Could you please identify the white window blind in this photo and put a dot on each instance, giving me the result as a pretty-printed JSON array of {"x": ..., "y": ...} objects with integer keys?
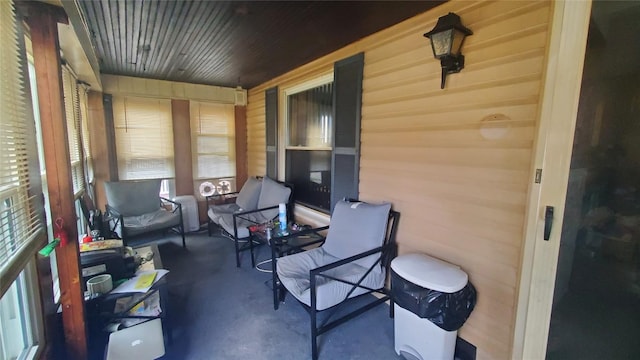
[
  {"x": 72, "y": 113},
  {"x": 213, "y": 140},
  {"x": 20, "y": 192},
  {"x": 84, "y": 116},
  {"x": 144, "y": 137}
]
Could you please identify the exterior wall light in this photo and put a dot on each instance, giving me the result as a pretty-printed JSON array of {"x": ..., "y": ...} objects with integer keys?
[{"x": 446, "y": 41}]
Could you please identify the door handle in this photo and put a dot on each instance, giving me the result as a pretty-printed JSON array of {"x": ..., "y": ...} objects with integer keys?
[{"x": 548, "y": 222}]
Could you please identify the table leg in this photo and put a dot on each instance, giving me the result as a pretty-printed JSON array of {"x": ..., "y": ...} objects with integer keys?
[
  {"x": 235, "y": 243},
  {"x": 253, "y": 259},
  {"x": 274, "y": 278}
]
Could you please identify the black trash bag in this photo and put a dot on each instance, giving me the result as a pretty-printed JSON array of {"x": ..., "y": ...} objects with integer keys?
[{"x": 448, "y": 311}]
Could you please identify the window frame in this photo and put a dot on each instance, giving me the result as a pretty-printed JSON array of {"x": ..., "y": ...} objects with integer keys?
[
  {"x": 43, "y": 173},
  {"x": 31, "y": 318},
  {"x": 203, "y": 184},
  {"x": 229, "y": 137},
  {"x": 122, "y": 122},
  {"x": 283, "y": 125},
  {"x": 20, "y": 268}
]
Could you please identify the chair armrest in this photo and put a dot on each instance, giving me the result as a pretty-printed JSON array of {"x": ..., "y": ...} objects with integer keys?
[
  {"x": 240, "y": 213},
  {"x": 335, "y": 264},
  {"x": 111, "y": 211},
  {"x": 214, "y": 197},
  {"x": 241, "y": 216},
  {"x": 177, "y": 205}
]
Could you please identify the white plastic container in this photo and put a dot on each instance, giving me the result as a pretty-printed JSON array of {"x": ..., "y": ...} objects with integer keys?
[
  {"x": 190, "y": 216},
  {"x": 282, "y": 216},
  {"x": 415, "y": 337}
]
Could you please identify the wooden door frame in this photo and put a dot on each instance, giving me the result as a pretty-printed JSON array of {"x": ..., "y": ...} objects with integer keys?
[{"x": 552, "y": 154}]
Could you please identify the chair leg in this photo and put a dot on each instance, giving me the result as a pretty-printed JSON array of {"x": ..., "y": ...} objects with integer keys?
[
  {"x": 209, "y": 226},
  {"x": 253, "y": 258},
  {"x": 184, "y": 243},
  {"x": 314, "y": 335},
  {"x": 313, "y": 315},
  {"x": 235, "y": 242}
]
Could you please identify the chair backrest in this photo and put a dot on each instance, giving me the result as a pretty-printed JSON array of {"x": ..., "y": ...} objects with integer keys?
[
  {"x": 249, "y": 194},
  {"x": 356, "y": 227},
  {"x": 133, "y": 198},
  {"x": 272, "y": 194}
]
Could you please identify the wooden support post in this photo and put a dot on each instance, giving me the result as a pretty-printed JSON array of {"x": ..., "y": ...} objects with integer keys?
[
  {"x": 100, "y": 147},
  {"x": 43, "y": 21},
  {"x": 182, "y": 146},
  {"x": 242, "y": 164}
]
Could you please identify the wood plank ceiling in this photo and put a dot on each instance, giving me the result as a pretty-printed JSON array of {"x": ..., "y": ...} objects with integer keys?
[{"x": 230, "y": 43}]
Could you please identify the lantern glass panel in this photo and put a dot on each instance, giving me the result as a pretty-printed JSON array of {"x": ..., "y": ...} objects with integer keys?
[
  {"x": 441, "y": 43},
  {"x": 458, "y": 38}
]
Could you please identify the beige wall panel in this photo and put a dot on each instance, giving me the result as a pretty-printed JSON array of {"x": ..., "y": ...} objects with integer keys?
[
  {"x": 477, "y": 216},
  {"x": 447, "y": 120},
  {"x": 499, "y": 11},
  {"x": 533, "y": 15},
  {"x": 113, "y": 84},
  {"x": 519, "y": 137},
  {"x": 452, "y": 174},
  {"x": 516, "y": 159},
  {"x": 462, "y": 194},
  {"x": 526, "y": 68},
  {"x": 493, "y": 348},
  {"x": 256, "y": 142},
  {"x": 522, "y": 92},
  {"x": 474, "y": 264}
]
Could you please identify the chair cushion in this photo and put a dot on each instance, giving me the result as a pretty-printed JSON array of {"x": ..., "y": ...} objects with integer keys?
[
  {"x": 293, "y": 272},
  {"x": 272, "y": 194},
  {"x": 248, "y": 196},
  {"x": 156, "y": 220},
  {"x": 356, "y": 227},
  {"x": 215, "y": 211},
  {"x": 133, "y": 198},
  {"x": 226, "y": 222}
]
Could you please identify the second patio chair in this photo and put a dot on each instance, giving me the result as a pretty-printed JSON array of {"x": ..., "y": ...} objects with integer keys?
[{"x": 353, "y": 262}]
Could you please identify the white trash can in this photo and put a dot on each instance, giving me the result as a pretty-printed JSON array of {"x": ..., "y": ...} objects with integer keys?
[
  {"x": 417, "y": 280},
  {"x": 190, "y": 216}
]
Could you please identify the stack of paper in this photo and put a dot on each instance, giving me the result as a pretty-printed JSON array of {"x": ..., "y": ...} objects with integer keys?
[{"x": 140, "y": 283}]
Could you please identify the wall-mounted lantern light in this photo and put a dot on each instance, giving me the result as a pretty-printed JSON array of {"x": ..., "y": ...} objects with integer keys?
[{"x": 446, "y": 41}]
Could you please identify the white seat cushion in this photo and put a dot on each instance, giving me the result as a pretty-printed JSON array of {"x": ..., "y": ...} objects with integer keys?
[
  {"x": 293, "y": 271},
  {"x": 159, "y": 219}
]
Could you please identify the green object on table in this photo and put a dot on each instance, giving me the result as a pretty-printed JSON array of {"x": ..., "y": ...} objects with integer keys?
[
  {"x": 119, "y": 282},
  {"x": 46, "y": 251}
]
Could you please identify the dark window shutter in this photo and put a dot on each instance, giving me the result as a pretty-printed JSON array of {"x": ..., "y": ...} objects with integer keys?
[
  {"x": 345, "y": 160},
  {"x": 271, "y": 119}
]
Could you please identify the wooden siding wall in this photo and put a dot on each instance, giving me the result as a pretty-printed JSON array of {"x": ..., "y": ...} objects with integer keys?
[{"x": 454, "y": 162}]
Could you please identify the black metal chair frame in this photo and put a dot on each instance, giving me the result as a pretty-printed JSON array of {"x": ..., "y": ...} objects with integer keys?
[
  {"x": 242, "y": 215},
  {"x": 387, "y": 252},
  {"x": 249, "y": 239},
  {"x": 117, "y": 220},
  {"x": 211, "y": 201}
]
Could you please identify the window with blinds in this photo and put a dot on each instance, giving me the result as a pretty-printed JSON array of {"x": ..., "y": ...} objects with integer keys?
[
  {"x": 144, "y": 137},
  {"x": 72, "y": 114},
  {"x": 20, "y": 191},
  {"x": 309, "y": 142},
  {"x": 84, "y": 135},
  {"x": 213, "y": 140}
]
